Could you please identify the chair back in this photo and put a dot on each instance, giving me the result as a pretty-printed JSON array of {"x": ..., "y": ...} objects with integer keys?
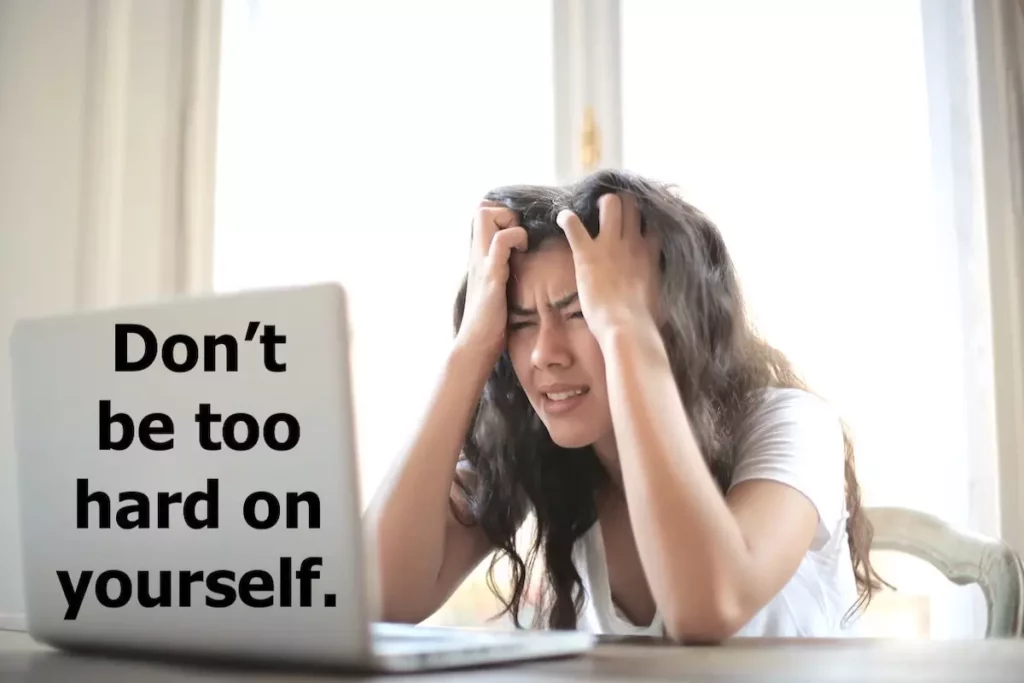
[{"x": 962, "y": 557}]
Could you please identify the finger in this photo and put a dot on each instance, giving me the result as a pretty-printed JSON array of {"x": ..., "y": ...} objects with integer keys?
[
  {"x": 473, "y": 230},
  {"x": 490, "y": 218},
  {"x": 573, "y": 228},
  {"x": 630, "y": 217},
  {"x": 504, "y": 241},
  {"x": 609, "y": 208}
]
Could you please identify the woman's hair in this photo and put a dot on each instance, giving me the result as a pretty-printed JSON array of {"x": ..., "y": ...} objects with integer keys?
[{"x": 719, "y": 364}]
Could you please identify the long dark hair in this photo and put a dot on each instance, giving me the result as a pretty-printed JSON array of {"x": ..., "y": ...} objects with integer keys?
[{"x": 719, "y": 364}]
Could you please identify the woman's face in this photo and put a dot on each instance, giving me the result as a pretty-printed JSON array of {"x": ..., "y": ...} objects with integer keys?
[{"x": 557, "y": 360}]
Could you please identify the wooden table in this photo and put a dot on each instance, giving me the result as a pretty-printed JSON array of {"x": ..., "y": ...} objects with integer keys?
[{"x": 789, "y": 661}]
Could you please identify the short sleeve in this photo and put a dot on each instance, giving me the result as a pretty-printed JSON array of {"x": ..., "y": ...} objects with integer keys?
[{"x": 795, "y": 438}]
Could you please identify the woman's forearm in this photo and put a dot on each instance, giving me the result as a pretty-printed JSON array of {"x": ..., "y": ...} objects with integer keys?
[
  {"x": 410, "y": 511},
  {"x": 691, "y": 548}
]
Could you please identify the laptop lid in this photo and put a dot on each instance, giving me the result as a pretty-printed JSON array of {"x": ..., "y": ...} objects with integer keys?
[{"x": 188, "y": 480}]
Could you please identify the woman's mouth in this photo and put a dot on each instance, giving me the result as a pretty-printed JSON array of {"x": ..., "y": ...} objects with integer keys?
[{"x": 558, "y": 400}]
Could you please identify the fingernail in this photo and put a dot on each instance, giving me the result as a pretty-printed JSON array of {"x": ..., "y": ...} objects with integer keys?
[{"x": 563, "y": 217}]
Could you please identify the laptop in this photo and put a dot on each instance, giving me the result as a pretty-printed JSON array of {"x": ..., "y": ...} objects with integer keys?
[{"x": 188, "y": 486}]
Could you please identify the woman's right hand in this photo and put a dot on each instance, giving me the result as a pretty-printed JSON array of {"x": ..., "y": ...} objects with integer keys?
[{"x": 495, "y": 234}]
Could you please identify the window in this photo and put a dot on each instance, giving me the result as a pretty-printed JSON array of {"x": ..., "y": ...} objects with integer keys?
[
  {"x": 344, "y": 159},
  {"x": 802, "y": 129},
  {"x": 356, "y": 139}
]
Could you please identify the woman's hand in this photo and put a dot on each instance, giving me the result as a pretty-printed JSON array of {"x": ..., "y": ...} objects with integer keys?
[
  {"x": 616, "y": 272},
  {"x": 485, "y": 319}
]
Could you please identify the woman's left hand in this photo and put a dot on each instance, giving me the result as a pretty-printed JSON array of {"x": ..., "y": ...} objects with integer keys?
[{"x": 616, "y": 272}]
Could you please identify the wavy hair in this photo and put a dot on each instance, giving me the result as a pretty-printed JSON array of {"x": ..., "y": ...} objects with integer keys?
[{"x": 719, "y": 363}]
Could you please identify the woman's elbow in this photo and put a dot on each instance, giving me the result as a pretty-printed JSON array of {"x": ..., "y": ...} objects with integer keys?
[
  {"x": 401, "y": 602},
  {"x": 713, "y": 621},
  {"x": 401, "y": 611}
]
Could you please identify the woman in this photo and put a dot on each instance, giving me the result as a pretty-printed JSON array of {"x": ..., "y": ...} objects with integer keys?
[{"x": 603, "y": 377}]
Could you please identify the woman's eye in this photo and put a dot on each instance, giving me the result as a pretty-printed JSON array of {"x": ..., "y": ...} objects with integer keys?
[
  {"x": 518, "y": 326},
  {"x": 577, "y": 314}
]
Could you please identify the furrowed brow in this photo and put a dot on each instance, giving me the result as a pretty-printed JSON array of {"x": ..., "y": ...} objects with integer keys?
[{"x": 558, "y": 305}]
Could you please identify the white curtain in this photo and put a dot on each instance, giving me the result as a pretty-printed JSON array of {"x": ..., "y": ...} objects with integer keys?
[
  {"x": 106, "y": 175},
  {"x": 998, "y": 41}
]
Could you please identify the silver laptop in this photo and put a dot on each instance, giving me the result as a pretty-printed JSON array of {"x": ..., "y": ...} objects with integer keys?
[{"x": 188, "y": 486}]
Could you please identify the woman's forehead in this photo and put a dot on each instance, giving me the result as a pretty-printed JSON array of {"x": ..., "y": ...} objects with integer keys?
[{"x": 549, "y": 271}]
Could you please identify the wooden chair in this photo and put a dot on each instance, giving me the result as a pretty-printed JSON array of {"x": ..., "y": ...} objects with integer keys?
[{"x": 964, "y": 558}]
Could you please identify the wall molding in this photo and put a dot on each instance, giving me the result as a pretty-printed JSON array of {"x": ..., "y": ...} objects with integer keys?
[{"x": 13, "y": 622}]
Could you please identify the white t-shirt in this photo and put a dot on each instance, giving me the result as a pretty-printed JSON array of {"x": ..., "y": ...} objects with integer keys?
[{"x": 796, "y": 439}]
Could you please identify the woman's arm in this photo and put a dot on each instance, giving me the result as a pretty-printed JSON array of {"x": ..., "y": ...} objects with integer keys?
[
  {"x": 711, "y": 562},
  {"x": 423, "y": 550}
]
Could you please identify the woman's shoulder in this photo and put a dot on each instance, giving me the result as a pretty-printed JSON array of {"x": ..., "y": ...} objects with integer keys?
[
  {"x": 782, "y": 398},
  {"x": 790, "y": 409},
  {"x": 796, "y": 438},
  {"x": 789, "y": 420}
]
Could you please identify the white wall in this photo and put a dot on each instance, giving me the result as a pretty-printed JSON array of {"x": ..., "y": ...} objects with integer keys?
[{"x": 105, "y": 168}]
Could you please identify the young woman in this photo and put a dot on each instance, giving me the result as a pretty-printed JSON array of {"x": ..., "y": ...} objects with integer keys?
[{"x": 604, "y": 378}]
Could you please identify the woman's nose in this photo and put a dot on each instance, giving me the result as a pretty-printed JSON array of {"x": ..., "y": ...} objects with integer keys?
[{"x": 551, "y": 347}]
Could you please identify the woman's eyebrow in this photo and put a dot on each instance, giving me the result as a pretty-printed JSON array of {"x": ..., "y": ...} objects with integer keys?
[{"x": 564, "y": 302}]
